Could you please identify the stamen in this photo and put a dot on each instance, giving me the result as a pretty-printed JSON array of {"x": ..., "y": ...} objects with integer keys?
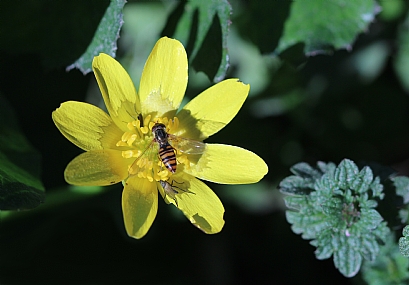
[
  {"x": 125, "y": 137},
  {"x": 121, "y": 143},
  {"x": 130, "y": 126},
  {"x": 136, "y": 123},
  {"x": 127, "y": 153},
  {"x": 144, "y": 130},
  {"x": 132, "y": 139},
  {"x": 151, "y": 124},
  {"x": 147, "y": 120},
  {"x": 175, "y": 122},
  {"x": 173, "y": 125}
]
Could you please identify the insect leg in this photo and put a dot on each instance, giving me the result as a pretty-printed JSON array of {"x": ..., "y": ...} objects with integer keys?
[{"x": 178, "y": 187}]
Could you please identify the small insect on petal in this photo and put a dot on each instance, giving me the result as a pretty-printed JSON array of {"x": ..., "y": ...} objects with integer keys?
[{"x": 171, "y": 190}]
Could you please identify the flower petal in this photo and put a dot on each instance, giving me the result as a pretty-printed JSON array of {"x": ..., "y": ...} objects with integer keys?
[
  {"x": 199, "y": 204},
  {"x": 139, "y": 206},
  {"x": 117, "y": 89},
  {"x": 86, "y": 126},
  {"x": 97, "y": 168},
  {"x": 164, "y": 78},
  {"x": 214, "y": 108},
  {"x": 229, "y": 165}
]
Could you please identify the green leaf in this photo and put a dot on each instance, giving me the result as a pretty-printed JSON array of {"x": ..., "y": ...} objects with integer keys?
[
  {"x": 203, "y": 28},
  {"x": 294, "y": 185},
  {"x": 347, "y": 257},
  {"x": 404, "y": 246},
  {"x": 322, "y": 24},
  {"x": 337, "y": 213},
  {"x": 304, "y": 170},
  {"x": 389, "y": 268},
  {"x": 369, "y": 249},
  {"x": 104, "y": 40},
  {"x": 405, "y": 231},
  {"x": 362, "y": 183},
  {"x": 401, "y": 184},
  {"x": 370, "y": 219},
  {"x": 377, "y": 188},
  {"x": 307, "y": 225},
  {"x": 345, "y": 173},
  {"x": 20, "y": 184},
  {"x": 402, "y": 187},
  {"x": 303, "y": 180},
  {"x": 56, "y": 198},
  {"x": 294, "y": 202},
  {"x": 404, "y": 242}
]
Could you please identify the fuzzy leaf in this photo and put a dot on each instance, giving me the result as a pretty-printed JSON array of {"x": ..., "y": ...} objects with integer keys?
[
  {"x": 348, "y": 259},
  {"x": 345, "y": 173},
  {"x": 370, "y": 219},
  {"x": 303, "y": 181},
  {"x": 402, "y": 187},
  {"x": 295, "y": 185},
  {"x": 404, "y": 242},
  {"x": 304, "y": 170},
  {"x": 295, "y": 202},
  {"x": 404, "y": 246},
  {"x": 337, "y": 214},
  {"x": 369, "y": 248},
  {"x": 363, "y": 181},
  {"x": 377, "y": 188},
  {"x": 326, "y": 167},
  {"x": 307, "y": 225}
]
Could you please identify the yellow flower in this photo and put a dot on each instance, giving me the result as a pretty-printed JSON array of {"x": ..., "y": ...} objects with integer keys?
[{"x": 122, "y": 147}]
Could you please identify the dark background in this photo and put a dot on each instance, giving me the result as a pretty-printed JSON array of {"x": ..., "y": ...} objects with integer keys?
[{"x": 83, "y": 240}]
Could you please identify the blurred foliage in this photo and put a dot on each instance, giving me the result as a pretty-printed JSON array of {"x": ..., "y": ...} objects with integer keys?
[
  {"x": 202, "y": 26},
  {"x": 304, "y": 105},
  {"x": 390, "y": 267},
  {"x": 20, "y": 184},
  {"x": 326, "y": 24}
]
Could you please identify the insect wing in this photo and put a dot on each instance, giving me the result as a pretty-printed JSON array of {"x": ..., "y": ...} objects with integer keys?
[{"x": 187, "y": 146}]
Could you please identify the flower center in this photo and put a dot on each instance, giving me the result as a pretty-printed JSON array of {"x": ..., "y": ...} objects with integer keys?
[{"x": 140, "y": 143}]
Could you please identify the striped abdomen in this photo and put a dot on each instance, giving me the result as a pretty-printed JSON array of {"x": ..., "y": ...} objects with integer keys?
[{"x": 168, "y": 156}]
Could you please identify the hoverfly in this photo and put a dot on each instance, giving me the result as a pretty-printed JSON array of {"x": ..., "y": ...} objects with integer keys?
[
  {"x": 168, "y": 143},
  {"x": 170, "y": 189}
]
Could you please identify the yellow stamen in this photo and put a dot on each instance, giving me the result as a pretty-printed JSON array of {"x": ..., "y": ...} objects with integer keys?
[
  {"x": 130, "y": 126},
  {"x": 147, "y": 120},
  {"x": 125, "y": 137},
  {"x": 151, "y": 124},
  {"x": 132, "y": 139},
  {"x": 147, "y": 163},
  {"x": 144, "y": 130},
  {"x": 127, "y": 153},
  {"x": 121, "y": 143}
]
